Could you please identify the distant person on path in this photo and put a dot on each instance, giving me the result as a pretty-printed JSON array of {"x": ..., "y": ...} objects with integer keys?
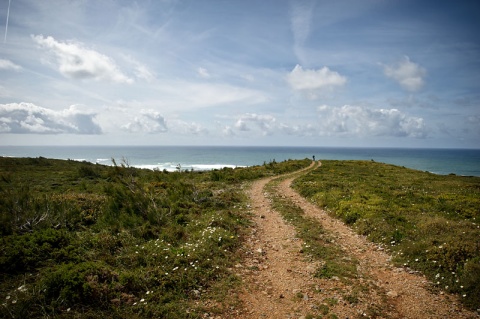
[{"x": 313, "y": 158}]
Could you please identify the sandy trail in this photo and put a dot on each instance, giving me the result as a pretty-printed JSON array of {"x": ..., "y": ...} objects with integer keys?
[{"x": 279, "y": 278}]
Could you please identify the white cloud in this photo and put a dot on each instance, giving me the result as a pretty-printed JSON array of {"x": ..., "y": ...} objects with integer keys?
[
  {"x": 409, "y": 75},
  {"x": 266, "y": 123},
  {"x": 77, "y": 62},
  {"x": 324, "y": 78},
  {"x": 9, "y": 65},
  {"x": 187, "y": 128},
  {"x": 301, "y": 21},
  {"x": 188, "y": 95},
  {"x": 149, "y": 121},
  {"x": 301, "y": 17},
  {"x": 140, "y": 70},
  {"x": 26, "y": 118},
  {"x": 357, "y": 120},
  {"x": 247, "y": 124},
  {"x": 298, "y": 130},
  {"x": 203, "y": 73},
  {"x": 345, "y": 121},
  {"x": 228, "y": 131}
]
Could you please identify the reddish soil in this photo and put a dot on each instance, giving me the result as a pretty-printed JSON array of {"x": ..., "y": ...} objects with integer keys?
[{"x": 279, "y": 282}]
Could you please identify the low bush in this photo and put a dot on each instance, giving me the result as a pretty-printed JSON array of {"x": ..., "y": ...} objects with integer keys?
[
  {"x": 86, "y": 240},
  {"x": 29, "y": 251}
]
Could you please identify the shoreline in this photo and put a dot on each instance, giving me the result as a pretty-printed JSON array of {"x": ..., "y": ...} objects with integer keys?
[{"x": 462, "y": 162}]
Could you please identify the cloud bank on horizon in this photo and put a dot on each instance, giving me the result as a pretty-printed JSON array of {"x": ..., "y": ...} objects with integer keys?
[{"x": 183, "y": 72}]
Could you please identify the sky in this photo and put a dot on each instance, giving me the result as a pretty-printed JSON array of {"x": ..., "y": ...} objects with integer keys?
[{"x": 350, "y": 73}]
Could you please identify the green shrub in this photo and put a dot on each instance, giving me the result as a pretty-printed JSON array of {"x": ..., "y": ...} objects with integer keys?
[
  {"x": 87, "y": 171},
  {"x": 86, "y": 283},
  {"x": 26, "y": 252}
]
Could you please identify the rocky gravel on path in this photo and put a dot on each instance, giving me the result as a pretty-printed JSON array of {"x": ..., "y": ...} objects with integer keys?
[{"x": 279, "y": 278}]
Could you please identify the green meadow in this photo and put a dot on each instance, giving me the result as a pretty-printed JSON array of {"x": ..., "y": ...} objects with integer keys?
[
  {"x": 94, "y": 241},
  {"x": 429, "y": 223}
]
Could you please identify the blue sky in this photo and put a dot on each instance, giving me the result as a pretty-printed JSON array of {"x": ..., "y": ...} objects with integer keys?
[{"x": 394, "y": 73}]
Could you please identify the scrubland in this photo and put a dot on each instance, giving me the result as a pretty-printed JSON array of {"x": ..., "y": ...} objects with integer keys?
[
  {"x": 86, "y": 240},
  {"x": 79, "y": 239}
]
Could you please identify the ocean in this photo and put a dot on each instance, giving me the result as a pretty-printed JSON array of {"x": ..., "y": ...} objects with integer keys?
[{"x": 439, "y": 161}]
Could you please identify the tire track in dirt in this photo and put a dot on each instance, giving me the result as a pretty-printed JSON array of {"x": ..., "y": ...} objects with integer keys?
[
  {"x": 273, "y": 270},
  {"x": 279, "y": 279}
]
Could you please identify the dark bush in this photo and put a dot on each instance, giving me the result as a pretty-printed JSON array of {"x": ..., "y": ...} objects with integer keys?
[
  {"x": 85, "y": 283},
  {"x": 87, "y": 171},
  {"x": 25, "y": 252}
]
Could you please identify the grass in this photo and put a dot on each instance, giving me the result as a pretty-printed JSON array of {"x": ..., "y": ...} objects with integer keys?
[
  {"x": 429, "y": 222},
  {"x": 86, "y": 240}
]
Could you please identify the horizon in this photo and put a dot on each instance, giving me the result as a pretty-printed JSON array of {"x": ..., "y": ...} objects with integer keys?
[
  {"x": 347, "y": 73},
  {"x": 436, "y": 160},
  {"x": 245, "y": 146}
]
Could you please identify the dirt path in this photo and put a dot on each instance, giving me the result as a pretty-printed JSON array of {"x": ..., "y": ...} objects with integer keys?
[{"x": 279, "y": 278}]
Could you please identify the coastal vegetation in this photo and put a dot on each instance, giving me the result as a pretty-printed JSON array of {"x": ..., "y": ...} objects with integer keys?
[
  {"x": 430, "y": 223},
  {"x": 86, "y": 240}
]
